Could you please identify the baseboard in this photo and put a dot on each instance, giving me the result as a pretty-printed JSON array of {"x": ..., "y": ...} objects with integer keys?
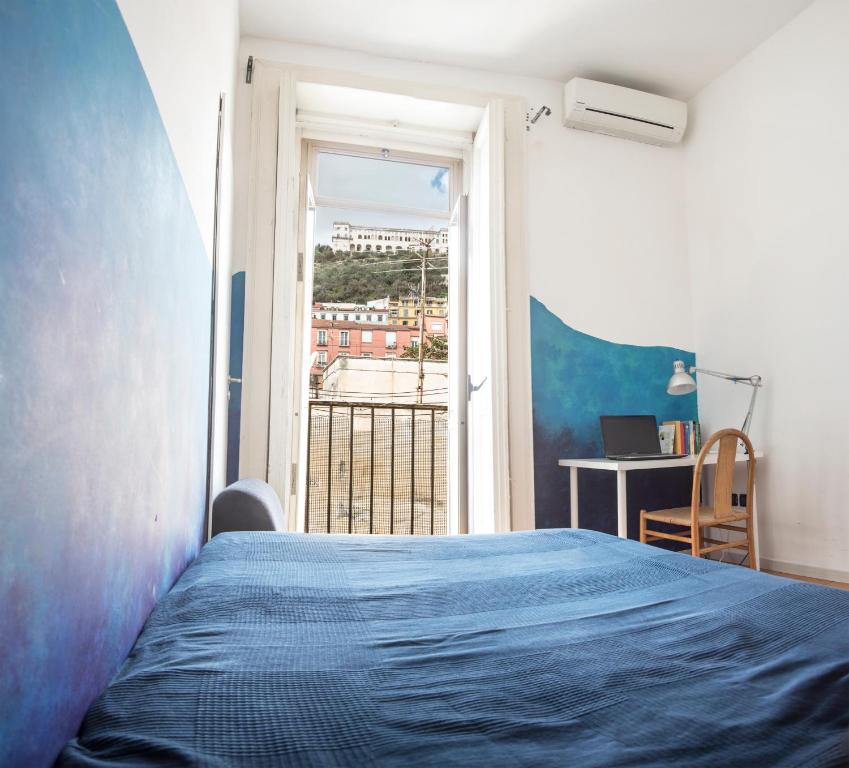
[{"x": 797, "y": 569}]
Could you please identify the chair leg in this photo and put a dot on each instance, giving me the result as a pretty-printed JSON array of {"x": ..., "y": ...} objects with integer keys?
[
  {"x": 750, "y": 538},
  {"x": 643, "y": 526},
  {"x": 696, "y": 537}
]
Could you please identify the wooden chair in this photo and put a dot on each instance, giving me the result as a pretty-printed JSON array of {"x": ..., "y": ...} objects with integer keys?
[{"x": 695, "y": 518}]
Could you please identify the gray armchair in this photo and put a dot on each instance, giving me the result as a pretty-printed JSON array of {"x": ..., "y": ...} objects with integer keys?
[{"x": 247, "y": 505}]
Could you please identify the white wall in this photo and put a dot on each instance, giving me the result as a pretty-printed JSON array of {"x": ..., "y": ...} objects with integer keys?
[
  {"x": 767, "y": 185},
  {"x": 188, "y": 49},
  {"x": 605, "y": 217}
]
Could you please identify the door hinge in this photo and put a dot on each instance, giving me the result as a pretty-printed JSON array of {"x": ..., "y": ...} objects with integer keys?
[
  {"x": 249, "y": 72},
  {"x": 293, "y": 480},
  {"x": 300, "y": 266}
]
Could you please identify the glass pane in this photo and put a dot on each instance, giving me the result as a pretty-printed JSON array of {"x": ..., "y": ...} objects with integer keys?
[{"x": 383, "y": 182}]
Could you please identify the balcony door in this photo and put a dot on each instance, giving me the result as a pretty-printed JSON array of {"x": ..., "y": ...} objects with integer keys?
[{"x": 278, "y": 357}]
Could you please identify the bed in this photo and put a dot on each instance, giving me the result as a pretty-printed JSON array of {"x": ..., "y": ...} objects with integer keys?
[{"x": 554, "y": 647}]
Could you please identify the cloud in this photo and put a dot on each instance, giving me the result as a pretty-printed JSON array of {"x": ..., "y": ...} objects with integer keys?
[{"x": 438, "y": 181}]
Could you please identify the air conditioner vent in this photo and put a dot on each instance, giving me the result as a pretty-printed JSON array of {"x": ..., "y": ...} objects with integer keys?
[{"x": 623, "y": 112}]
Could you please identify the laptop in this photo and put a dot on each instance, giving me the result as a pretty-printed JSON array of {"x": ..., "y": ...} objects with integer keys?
[{"x": 632, "y": 438}]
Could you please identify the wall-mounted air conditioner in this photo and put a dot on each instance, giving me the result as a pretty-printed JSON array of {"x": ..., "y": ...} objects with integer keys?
[{"x": 623, "y": 112}]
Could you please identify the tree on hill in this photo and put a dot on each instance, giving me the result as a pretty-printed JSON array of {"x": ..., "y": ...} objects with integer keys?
[
  {"x": 435, "y": 348},
  {"x": 361, "y": 276}
]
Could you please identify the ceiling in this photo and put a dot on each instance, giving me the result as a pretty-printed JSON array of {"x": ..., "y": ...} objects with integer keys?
[{"x": 671, "y": 47}]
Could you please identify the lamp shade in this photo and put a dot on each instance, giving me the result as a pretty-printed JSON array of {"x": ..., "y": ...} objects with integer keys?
[{"x": 680, "y": 383}]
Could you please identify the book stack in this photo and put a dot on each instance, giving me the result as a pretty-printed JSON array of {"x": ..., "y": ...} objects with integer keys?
[{"x": 686, "y": 436}]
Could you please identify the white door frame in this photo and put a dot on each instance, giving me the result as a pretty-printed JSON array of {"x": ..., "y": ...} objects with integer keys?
[{"x": 272, "y": 220}]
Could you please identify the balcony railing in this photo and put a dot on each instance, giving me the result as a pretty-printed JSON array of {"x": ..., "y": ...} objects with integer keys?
[{"x": 377, "y": 468}]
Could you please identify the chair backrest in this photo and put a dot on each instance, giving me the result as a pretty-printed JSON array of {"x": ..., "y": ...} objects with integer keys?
[{"x": 724, "y": 476}]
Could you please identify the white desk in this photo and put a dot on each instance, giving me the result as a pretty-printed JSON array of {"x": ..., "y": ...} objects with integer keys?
[{"x": 621, "y": 468}]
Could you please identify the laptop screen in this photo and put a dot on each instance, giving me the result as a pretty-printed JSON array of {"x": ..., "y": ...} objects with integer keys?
[{"x": 629, "y": 434}]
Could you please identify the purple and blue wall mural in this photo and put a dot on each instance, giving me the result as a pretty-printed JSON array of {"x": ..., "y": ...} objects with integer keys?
[
  {"x": 575, "y": 378},
  {"x": 104, "y": 360}
]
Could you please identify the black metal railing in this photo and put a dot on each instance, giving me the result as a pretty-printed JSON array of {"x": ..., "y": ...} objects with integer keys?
[{"x": 377, "y": 468}]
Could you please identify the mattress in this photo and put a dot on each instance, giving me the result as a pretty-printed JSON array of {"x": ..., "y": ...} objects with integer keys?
[{"x": 553, "y": 647}]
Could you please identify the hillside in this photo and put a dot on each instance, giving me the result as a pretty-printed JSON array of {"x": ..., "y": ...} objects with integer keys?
[{"x": 361, "y": 277}]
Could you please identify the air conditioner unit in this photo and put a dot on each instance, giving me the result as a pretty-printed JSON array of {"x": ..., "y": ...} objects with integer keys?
[{"x": 623, "y": 112}]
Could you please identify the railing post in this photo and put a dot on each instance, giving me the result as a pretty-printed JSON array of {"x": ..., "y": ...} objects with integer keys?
[
  {"x": 432, "y": 467},
  {"x": 412, "y": 470},
  {"x": 371, "y": 479},
  {"x": 308, "y": 486},
  {"x": 392, "y": 472},
  {"x": 351, "y": 474},
  {"x": 329, "y": 462}
]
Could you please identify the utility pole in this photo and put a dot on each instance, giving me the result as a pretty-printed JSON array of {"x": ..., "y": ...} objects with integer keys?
[{"x": 422, "y": 299}]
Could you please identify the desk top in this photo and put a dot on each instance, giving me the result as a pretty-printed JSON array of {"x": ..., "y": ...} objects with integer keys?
[{"x": 627, "y": 466}]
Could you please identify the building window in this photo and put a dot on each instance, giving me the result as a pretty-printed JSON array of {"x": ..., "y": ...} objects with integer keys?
[
  {"x": 414, "y": 342},
  {"x": 322, "y": 359},
  {"x": 333, "y": 317},
  {"x": 391, "y": 340},
  {"x": 366, "y": 337},
  {"x": 322, "y": 338},
  {"x": 344, "y": 317},
  {"x": 342, "y": 354},
  {"x": 343, "y": 338},
  {"x": 366, "y": 354},
  {"x": 437, "y": 326},
  {"x": 323, "y": 316},
  {"x": 380, "y": 318},
  {"x": 356, "y": 317}
]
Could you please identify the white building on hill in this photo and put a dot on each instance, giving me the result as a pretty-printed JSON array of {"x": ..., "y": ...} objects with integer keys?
[{"x": 350, "y": 237}]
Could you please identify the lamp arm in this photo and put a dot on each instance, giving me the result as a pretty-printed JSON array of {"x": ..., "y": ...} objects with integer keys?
[
  {"x": 752, "y": 381},
  {"x": 748, "y": 420}
]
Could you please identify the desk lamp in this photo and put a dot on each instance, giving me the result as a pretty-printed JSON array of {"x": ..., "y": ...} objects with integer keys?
[{"x": 682, "y": 383}]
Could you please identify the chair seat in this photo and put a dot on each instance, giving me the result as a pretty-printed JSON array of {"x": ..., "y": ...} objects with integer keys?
[{"x": 682, "y": 516}]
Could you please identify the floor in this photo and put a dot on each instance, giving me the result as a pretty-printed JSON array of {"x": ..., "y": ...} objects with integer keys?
[{"x": 835, "y": 584}]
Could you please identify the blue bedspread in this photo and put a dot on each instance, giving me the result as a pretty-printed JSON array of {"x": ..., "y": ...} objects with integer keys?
[{"x": 559, "y": 647}]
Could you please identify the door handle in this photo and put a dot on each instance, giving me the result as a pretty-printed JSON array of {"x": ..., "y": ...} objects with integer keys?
[{"x": 474, "y": 387}]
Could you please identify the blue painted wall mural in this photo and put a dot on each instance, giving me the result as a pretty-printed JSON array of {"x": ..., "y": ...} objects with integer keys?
[
  {"x": 575, "y": 379},
  {"x": 104, "y": 356},
  {"x": 234, "y": 402}
]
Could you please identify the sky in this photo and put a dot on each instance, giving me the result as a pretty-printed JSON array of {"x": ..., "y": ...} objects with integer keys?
[{"x": 422, "y": 188}]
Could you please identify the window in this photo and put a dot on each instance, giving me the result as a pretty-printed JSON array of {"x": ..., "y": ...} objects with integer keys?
[
  {"x": 437, "y": 326},
  {"x": 366, "y": 354},
  {"x": 391, "y": 340},
  {"x": 323, "y": 316},
  {"x": 380, "y": 318},
  {"x": 366, "y": 337},
  {"x": 322, "y": 338},
  {"x": 333, "y": 317},
  {"x": 356, "y": 317},
  {"x": 414, "y": 342},
  {"x": 342, "y": 354},
  {"x": 343, "y": 338},
  {"x": 322, "y": 359}
]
